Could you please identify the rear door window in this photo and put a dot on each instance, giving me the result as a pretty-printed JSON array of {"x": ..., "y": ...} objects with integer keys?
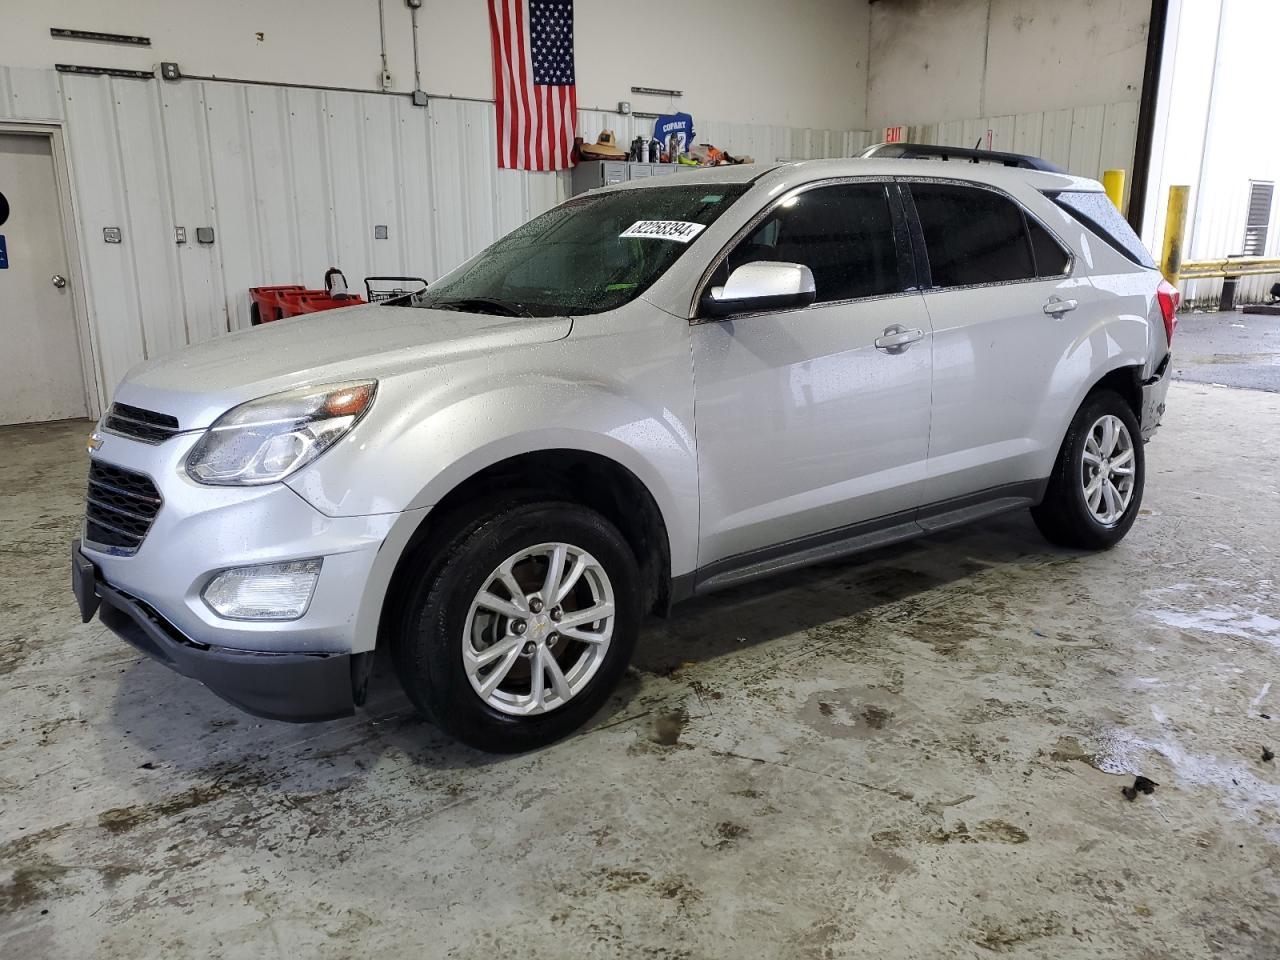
[
  {"x": 972, "y": 236},
  {"x": 843, "y": 233},
  {"x": 1051, "y": 259}
]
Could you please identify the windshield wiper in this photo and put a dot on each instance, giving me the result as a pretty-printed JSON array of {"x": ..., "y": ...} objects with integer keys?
[{"x": 507, "y": 308}]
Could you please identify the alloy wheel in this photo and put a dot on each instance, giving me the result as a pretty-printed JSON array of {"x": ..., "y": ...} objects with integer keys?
[
  {"x": 1107, "y": 469},
  {"x": 538, "y": 629}
]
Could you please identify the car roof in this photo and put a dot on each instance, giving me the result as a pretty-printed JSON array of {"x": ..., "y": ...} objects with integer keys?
[{"x": 783, "y": 175}]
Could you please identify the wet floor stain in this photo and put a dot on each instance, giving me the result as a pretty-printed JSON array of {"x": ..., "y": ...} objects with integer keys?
[
  {"x": 727, "y": 833},
  {"x": 985, "y": 831},
  {"x": 123, "y": 819},
  {"x": 1068, "y": 750},
  {"x": 855, "y": 712},
  {"x": 666, "y": 728},
  {"x": 1220, "y": 607},
  {"x": 30, "y": 883},
  {"x": 1003, "y": 935}
]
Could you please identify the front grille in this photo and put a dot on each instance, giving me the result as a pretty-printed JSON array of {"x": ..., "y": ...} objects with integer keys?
[
  {"x": 121, "y": 506},
  {"x": 138, "y": 424}
]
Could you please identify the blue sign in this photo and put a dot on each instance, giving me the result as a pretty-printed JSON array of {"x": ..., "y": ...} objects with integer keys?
[{"x": 4, "y": 254}]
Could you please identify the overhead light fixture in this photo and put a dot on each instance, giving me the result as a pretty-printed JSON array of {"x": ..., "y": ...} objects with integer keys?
[{"x": 657, "y": 92}]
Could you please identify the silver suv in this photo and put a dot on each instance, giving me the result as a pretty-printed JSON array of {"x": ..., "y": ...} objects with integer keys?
[{"x": 652, "y": 391}]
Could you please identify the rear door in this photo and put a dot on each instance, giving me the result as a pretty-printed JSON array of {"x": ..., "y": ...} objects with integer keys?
[
  {"x": 1007, "y": 313},
  {"x": 804, "y": 425}
]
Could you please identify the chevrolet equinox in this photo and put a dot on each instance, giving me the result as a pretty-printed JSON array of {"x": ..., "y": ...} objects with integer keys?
[{"x": 652, "y": 391}]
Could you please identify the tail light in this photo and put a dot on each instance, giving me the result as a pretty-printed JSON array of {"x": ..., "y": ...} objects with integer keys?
[{"x": 1169, "y": 298}]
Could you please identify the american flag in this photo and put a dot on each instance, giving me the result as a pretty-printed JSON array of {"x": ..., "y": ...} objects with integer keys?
[{"x": 533, "y": 82}]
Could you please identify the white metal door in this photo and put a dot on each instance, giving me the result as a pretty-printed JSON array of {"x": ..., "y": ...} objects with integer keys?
[{"x": 40, "y": 370}]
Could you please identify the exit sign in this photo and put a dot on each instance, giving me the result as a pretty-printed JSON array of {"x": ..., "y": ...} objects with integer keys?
[{"x": 894, "y": 134}]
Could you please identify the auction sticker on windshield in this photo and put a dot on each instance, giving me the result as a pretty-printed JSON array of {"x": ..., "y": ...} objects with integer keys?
[{"x": 681, "y": 231}]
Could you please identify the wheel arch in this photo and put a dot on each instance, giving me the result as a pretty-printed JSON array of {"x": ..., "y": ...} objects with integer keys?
[
  {"x": 574, "y": 474},
  {"x": 1125, "y": 380}
]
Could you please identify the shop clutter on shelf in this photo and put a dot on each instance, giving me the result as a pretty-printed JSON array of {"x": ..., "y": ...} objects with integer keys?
[{"x": 672, "y": 142}]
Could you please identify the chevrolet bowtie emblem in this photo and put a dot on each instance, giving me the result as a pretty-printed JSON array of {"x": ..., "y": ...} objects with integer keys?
[{"x": 93, "y": 443}]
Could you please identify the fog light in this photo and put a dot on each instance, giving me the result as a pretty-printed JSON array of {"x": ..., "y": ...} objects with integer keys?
[{"x": 269, "y": 591}]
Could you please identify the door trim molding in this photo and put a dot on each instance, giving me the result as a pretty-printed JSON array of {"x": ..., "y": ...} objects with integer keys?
[
  {"x": 85, "y": 334},
  {"x": 857, "y": 538}
]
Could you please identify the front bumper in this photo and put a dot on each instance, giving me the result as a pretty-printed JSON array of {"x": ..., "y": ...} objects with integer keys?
[
  {"x": 1154, "y": 391},
  {"x": 298, "y": 687},
  {"x": 202, "y": 530}
]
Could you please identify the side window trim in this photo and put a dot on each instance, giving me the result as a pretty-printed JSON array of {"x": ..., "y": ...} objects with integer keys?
[
  {"x": 924, "y": 271},
  {"x": 908, "y": 262},
  {"x": 1030, "y": 217},
  {"x": 922, "y": 253},
  {"x": 888, "y": 183}
]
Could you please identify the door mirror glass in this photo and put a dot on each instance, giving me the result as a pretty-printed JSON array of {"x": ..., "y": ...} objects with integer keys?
[{"x": 762, "y": 285}]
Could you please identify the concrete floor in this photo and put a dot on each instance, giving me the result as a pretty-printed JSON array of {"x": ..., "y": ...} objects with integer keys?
[
  {"x": 1234, "y": 349},
  {"x": 918, "y": 754}
]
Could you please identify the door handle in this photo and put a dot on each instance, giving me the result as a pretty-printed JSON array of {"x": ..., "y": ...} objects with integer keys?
[
  {"x": 1056, "y": 307},
  {"x": 897, "y": 338},
  {"x": 58, "y": 280}
]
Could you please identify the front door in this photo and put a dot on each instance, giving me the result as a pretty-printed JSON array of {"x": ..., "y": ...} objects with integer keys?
[
  {"x": 803, "y": 424},
  {"x": 41, "y": 377}
]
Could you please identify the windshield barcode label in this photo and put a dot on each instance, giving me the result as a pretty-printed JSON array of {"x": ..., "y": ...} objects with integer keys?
[{"x": 680, "y": 231}]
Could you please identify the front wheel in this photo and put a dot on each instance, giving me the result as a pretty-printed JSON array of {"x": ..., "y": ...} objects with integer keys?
[
  {"x": 521, "y": 626},
  {"x": 1096, "y": 487}
]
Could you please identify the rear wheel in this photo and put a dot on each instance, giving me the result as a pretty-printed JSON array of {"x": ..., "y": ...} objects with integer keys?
[
  {"x": 1096, "y": 487},
  {"x": 521, "y": 626}
]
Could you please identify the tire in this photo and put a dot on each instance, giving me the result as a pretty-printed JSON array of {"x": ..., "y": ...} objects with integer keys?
[
  {"x": 1065, "y": 516},
  {"x": 443, "y": 619},
  {"x": 255, "y": 315}
]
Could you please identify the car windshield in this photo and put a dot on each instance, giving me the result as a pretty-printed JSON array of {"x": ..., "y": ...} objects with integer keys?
[{"x": 588, "y": 255}]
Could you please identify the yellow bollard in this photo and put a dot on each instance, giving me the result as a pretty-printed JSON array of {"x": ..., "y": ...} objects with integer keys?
[
  {"x": 1175, "y": 228},
  {"x": 1113, "y": 183}
]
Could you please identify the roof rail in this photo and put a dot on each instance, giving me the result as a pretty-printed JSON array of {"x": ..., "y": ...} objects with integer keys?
[{"x": 926, "y": 151}]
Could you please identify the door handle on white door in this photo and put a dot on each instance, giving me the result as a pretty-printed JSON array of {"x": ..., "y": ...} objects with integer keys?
[
  {"x": 897, "y": 338},
  {"x": 58, "y": 281},
  {"x": 1056, "y": 307}
]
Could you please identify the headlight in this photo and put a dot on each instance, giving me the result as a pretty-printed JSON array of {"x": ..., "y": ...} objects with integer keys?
[
  {"x": 265, "y": 440},
  {"x": 269, "y": 591}
]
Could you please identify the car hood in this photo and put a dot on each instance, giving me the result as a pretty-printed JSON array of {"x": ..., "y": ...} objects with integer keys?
[{"x": 200, "y": 383}]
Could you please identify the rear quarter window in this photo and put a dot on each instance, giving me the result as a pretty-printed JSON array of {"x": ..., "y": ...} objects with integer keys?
[{"x": 1099, "y": 214}]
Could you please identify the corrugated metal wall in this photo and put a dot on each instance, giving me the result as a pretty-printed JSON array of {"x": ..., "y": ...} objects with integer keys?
[
  {"x": 1217, "y": 136},
  {"x": 29, "y": 94},
  {"x": 1084, "y": 140},
  {"x": 295, "y": 180},
  {"x": 292, "y": 181},
  {"x": 1217, "y": 226}
]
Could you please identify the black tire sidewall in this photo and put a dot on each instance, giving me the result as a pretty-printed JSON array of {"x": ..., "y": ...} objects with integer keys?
[{"x": 430, "y": 661}]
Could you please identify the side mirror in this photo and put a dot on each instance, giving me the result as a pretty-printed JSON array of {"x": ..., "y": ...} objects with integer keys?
[{"x": 763, "y": 285}]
